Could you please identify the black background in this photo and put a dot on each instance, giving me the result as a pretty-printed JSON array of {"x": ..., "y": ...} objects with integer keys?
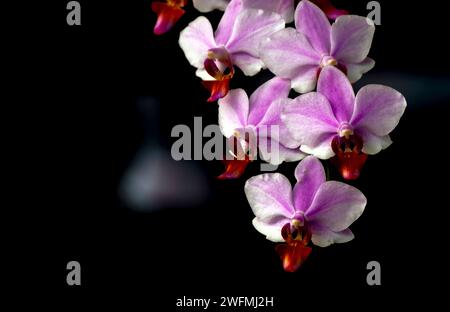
[{"x": 89, "y": 79}]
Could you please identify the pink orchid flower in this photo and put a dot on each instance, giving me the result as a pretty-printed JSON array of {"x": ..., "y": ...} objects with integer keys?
[
  {"x": 235, "y": 43},
  {"x": 240, "y": 116},
  {"x": 314, "y": 210},
  {"x": 300, "y": 54},
  {"x": 333, "y": 122}
]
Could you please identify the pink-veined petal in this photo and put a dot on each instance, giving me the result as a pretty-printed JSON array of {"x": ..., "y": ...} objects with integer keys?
[
  {"x": 378, "y": 109},
  {"x": 263, "y": 97},
  {"x": 233, "y": 112},
  {"x": 250, "y": 28},
  {"x": 306, "y": 79},
  {"x": 195, "y": 41},
  {"x": 227, "y": 22},
  {"x": 249, "y": 64},
  {"x": 270, "y": 198},
  {"x": 288, "y": 54},
  {"x": 372, "y": 143},
  {"x": 272, "y": 230},
  {"x": 351, "y": 38},
  {"x": 310, "y": 120},
  {"x": 321, "y": 148},
  {"x": 283, "y": 7},
  {"x": 336, "y": 87},
  {"x": 324, "y": 237},
  {"x": 273, "y": 152},
  {"x": 336, "y": 206},
  {"x": 313, "y": 23},
  {"x": 271, "y": 125},
  {"x": 310, "y": 176}
]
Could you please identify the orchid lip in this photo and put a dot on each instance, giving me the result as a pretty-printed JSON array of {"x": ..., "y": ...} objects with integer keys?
[
  {"x": 168, "y": 14},
  {"x": 349, "y": 157},
  {"x": 295, "y": 232},
  {"x": 218, "y": 64}
]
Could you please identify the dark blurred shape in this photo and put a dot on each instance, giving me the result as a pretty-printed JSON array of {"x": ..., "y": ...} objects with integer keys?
[{"x": 154, "y": 180}]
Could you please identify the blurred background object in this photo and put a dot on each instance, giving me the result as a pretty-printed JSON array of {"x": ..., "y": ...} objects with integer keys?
[{"x": 153, "y": 180}]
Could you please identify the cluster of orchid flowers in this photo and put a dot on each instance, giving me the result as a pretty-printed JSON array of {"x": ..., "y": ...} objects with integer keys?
[{"x": 320, "y": 58}]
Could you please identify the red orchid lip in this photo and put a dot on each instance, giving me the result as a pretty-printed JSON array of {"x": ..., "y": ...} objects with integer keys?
[
  {"x": 219, "y": 87},
  {"x": 241, "y": 158},
  {"x": 234, "y": 168},
  {"x": 349, "y": 158},
  {"x": 293, "y": 256},
  {"x": 295, "y": 251},
  {"x": 168, "y": 14}
]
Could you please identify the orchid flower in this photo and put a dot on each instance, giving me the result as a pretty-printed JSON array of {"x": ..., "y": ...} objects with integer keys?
[
  {"x": 240, "y": 116},
  {"x": 168, "y": 14},
  {"x": 235, "y": 43},
  {"x": 315, "y": 210},
  {"x": 299, "y": 54},
  {"x": 283, "y": 7},
  {"x": 335, "y": 122}
]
